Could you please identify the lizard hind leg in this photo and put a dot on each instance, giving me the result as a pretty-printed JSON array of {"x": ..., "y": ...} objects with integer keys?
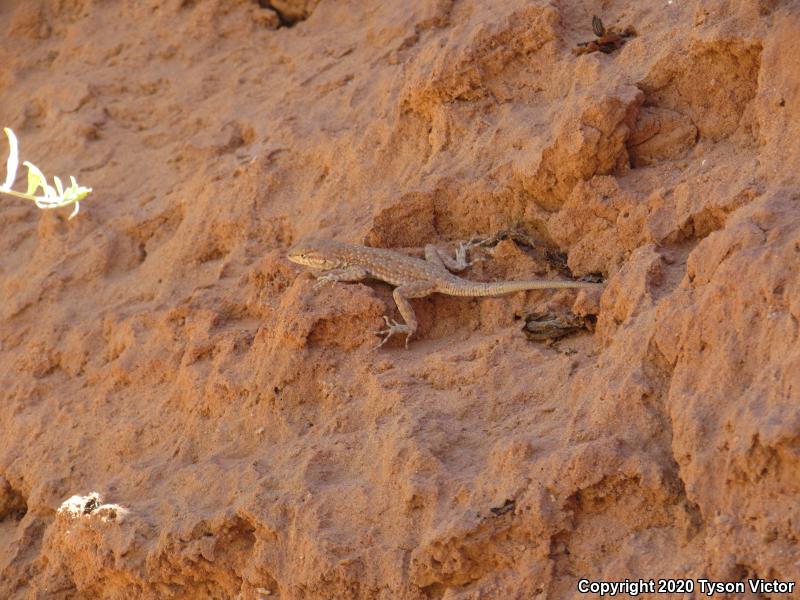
[
  {"x": 401, "y": 294},
  {"x": 438, "y": 256}
]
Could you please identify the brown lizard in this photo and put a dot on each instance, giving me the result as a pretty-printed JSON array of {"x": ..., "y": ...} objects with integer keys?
[{"x": 413, "y": 277}]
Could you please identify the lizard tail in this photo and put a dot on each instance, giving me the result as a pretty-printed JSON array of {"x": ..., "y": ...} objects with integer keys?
[{"x": 498, "y": 288}]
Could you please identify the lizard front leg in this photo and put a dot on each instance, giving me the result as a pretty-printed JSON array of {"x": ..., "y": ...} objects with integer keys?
[
  {"x": 418, "y": 289},
  {"x": 349, "y": 274}
]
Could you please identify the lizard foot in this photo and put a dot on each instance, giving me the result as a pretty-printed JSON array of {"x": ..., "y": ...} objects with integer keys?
[
  {"x": 479, "y": 240},
  {"x": 323, "y": 280},
  {"x": 461, "y": 252},
  {"x": 393, "y": 327}
]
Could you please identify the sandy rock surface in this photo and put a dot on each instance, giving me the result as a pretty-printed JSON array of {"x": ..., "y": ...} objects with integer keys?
[{"x": 182, "y": 415}]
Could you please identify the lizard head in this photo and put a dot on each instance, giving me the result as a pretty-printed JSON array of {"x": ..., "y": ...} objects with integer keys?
[{"x": 318, "y": 254}]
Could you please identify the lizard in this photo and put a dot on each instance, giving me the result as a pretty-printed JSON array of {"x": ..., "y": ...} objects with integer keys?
[{"x": 412, "y": 277}]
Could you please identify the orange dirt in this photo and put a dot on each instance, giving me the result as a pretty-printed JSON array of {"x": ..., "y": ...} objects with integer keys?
[{"x": 241, "y": 433}]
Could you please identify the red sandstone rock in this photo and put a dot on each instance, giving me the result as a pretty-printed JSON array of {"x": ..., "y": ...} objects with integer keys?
[{"x": 241, "y": 433}]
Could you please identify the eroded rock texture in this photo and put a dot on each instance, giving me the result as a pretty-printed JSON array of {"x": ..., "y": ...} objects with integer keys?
[{"x": 242, "y": 436}]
